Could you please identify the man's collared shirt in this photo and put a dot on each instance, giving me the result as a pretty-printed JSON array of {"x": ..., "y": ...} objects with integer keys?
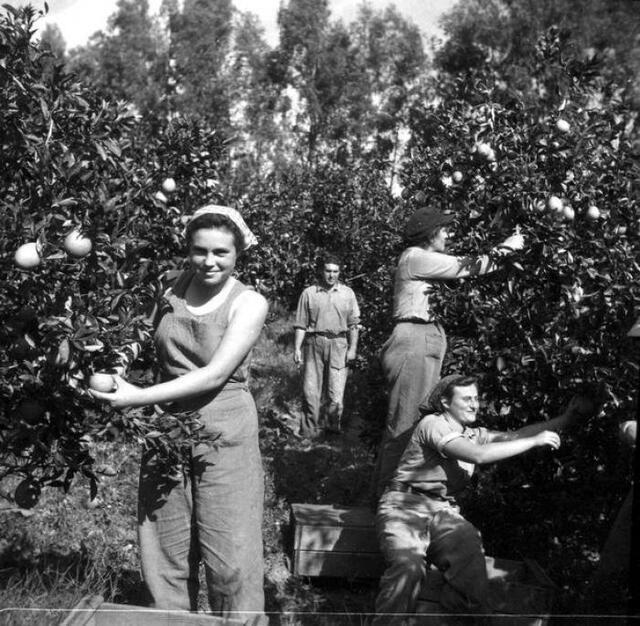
[{"x": 333, "y": 310}]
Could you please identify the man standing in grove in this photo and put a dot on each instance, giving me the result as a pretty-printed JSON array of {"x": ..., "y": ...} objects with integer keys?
[{"x": 326, "y": 340}]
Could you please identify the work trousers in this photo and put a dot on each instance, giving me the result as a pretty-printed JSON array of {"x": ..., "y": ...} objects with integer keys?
[
  {"x": 208, "y": 510},
  {"x": 411, "y": 363},
  {"x": 414, "y": 530},
  {"x": 324, "y": 380}
]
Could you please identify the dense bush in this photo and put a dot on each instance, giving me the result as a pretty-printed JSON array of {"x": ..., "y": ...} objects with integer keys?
[
  {"x": 71, "y": 160},
  {"x": 554, "y": 321}
]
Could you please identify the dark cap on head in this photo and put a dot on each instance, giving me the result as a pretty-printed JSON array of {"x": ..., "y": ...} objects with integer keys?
[{"x": 423, "y": 222}]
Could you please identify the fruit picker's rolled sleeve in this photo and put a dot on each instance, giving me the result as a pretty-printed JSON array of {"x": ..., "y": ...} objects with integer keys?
[
  {"x": 445, "y": 440},
  {"x": 436, "y": 433},
  {"x": 425, "y": 264},
  {"x": 303, "y": 317},
  {"x": 353, "y": 319}
]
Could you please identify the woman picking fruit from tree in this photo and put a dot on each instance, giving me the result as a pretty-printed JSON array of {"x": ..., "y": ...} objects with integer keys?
[
  {"x": 418, "y": 518},
  {"x": 210, "y": 508},
  {"x": 412, "y": 357}
]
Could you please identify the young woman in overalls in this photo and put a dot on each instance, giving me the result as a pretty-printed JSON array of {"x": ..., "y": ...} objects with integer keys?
[{"x": 210, "y": 509}]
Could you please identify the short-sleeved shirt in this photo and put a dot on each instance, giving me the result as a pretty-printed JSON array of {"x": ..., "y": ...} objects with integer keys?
[
  {"x": 327, "y": 310},
  {"x": 424, "y": 463},
  {"x": 418, "y": 269}
]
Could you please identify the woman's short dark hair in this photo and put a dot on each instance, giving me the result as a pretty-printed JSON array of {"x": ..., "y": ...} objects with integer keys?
[
  {"x": 215, "y": 220},
  {"x": 444, "y": 391},
  {"x": 329, "y": 259}
]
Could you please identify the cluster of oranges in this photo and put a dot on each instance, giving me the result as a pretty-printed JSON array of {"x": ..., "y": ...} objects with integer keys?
[{"x": 76, "y": 243}]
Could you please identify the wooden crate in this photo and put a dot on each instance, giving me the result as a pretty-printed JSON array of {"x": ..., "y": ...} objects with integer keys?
[
  {"x": 520, "y": 591},
  {"x": 93, "y": 611},
  {"x": 335, "y": 541}
]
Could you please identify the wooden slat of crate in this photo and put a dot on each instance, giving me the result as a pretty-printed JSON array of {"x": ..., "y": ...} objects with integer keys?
[
  {"x": 434, "y": 617},
  {"x": 93, "y": 611},
  {"x": 519, "y": 589},
  {"x": 335, "y": 541},
  {"x": 338, "y": 564},
  {"x": 83, "y": 613},
  {"x": 331, "y": 528},
  {"x": 333, "y": 515}
]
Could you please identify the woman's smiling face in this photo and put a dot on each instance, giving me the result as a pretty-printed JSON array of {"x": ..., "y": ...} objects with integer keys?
[
  {"x": 213, "y": 254},
  {"x": 463, "y": 406}
]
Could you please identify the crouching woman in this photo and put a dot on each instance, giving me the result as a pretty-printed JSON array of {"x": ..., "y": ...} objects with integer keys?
[{"x": 418, "y": 519}]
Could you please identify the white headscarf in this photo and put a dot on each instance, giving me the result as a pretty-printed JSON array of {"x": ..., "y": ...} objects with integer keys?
[{"x": 214, "y": 209}]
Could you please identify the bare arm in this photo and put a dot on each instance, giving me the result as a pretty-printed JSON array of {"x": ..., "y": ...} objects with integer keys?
[
  {"x": 531, "y": 430},
  {"x": 245, "y": 325},
  {"x": 301, "y": 324},
  {"x": 578, "y": 407},
  {"x": 297, "y": 344},
  {"x": 353, "y": 343},
  {"x": 353, "y": 322},
  {"x": 464, "y": 450}
]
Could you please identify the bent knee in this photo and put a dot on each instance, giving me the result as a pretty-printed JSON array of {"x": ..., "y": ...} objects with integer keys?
[
  {"x": 410, "y": 566},
  {"x": 225, "y": 580},
  {"x": 467, "y": 533},
  {"x": 452, "y": 534},
  {"x": 447, "y": 523}
]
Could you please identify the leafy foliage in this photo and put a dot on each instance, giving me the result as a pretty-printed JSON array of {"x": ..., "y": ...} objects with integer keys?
[
  {"x": 71, "y": 160},
  {"x": 554, "y": 321},
  {"x": 507, "y": 33}
]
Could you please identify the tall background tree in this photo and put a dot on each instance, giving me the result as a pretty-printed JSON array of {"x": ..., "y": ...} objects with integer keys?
[
  {"x": 128, "y": 61},
  {"x": 200, "y": 36}
]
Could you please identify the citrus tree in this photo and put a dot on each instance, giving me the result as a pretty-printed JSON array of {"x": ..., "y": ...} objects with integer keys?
[
  {"x": 91, "y": 219},
  {"x": 556, "y": 158}
]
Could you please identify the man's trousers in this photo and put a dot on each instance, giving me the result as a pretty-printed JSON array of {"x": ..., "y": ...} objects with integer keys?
[{"x": 325, "y": 377}]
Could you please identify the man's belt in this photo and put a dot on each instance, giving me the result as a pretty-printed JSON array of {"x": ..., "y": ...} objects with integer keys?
[
  {"x": 396, "y": 485},
  {"x": 413, "y": 320},
  {"x": 329, "y": 334}
]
